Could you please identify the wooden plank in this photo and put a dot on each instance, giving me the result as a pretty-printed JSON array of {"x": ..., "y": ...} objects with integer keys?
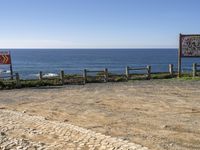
[
  {"x": 179, "y": 55},
  {"x": 194, "y": 69},
  {"x": 95, "y": 71},
  {"x": 40, "y": 76},
  {"x": 137, "y": 68},
  {"x": 84, "y": 76},
  {"x": 127, "y": 72},
  {"x": 148, "y": 72},
  {"x": 147, "y": 69},
  {"x": 18, "y": 84},
  {"x": 171, "y": 69},
  {"x": 11, "y": 68},
  {"x": 62, "y": 77},
  {"x": 106, "y": 74},
  {"x": 7, "y": 76},
  {"x": 11, "y": 71}
]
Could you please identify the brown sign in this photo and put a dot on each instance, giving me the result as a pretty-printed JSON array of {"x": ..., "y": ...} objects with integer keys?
[{"x": 190, "y": 45}]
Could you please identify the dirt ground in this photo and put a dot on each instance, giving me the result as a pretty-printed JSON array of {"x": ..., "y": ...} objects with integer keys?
[{"x": 158, "y": 114}]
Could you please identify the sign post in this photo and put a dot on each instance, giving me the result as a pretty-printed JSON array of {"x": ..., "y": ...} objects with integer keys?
[
  {"x": 5, "y": 59},
  {"x": 189, "y": 46},
  {"x": 179, "y": 56}
]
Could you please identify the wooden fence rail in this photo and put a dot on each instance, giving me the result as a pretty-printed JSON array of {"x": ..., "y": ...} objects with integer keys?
[
  {"x": 147, "y": 69},
  {"x": 86, "y": 72},
  {"x": 171, "y": 70},
  {"x": 63, "y": 79},
  {"x": 18, "y": 84},
  {"x": 62, "y": 76},
  {"x": 8, "y": 76},
  {"x": 195, "y": 69}
]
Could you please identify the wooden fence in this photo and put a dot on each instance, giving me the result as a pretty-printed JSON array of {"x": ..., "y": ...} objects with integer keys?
[
  {"x": 147, "y": 69},
  {"x": 196, "y": 69},
  {"x": 86, "y": 73},
  {"x": 105, "y": 74}
]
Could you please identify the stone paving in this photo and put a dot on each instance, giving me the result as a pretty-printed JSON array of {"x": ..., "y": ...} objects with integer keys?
[{"x": 23, "y": 132}]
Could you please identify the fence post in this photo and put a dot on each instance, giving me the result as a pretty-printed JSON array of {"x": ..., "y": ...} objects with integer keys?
[
  {"x": 40, "y": 76},
  {"x": 171, "y": 69},
  {"x": 106, "y": 74},
  {"x": 148, "y": 72},
  {"x": 18, "y": 84},
  {"x": 11, "y": 72},
  {"x": 127, "y": 72},
  {"x": 84, "y": 76},
  {"x": 194, "y": 69},
  {"x": 62, "y": 77}
]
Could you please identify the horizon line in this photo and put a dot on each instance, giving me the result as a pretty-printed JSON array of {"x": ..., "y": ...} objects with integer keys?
[{"x": 94, "y": 48}]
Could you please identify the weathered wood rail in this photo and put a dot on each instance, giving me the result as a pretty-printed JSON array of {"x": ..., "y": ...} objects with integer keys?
[
  {"x": 61, "y": 76},
  {"x": 7, "y": 76},
  {"x": 196, "y": 69},
  {"x": 147, "y": 69},
  {"x": 171, "y": 70},
  {"x": 18, "y": 84},
  {"x": 103, "y": 73}
]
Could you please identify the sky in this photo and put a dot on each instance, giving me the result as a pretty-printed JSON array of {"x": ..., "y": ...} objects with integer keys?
[{"x": 96, "y": 23}]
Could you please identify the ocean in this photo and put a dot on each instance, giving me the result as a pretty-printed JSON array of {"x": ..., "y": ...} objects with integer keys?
[{"x": 28, "y": 62}]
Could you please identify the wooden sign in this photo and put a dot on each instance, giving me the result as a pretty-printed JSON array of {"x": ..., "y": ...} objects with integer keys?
[
  {"x": 5, "y": 58},
  {"x": 189, "y": 46}
]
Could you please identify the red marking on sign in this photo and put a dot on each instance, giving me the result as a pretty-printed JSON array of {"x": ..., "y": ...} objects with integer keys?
[{"x": 5, "y": 58}]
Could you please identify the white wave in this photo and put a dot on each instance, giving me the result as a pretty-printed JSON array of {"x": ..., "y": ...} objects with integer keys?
[
  {"x": 4, "y": 71},
  {"x": 46, "y": 75},
  {"x": 7, "y": 71},
  {"x": 50, "y": 75}
]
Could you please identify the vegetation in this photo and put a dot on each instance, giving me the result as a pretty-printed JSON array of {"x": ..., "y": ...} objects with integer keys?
[{"x": 97, "y": 78}]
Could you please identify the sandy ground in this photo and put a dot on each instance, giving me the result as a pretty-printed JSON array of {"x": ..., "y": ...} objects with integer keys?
[{"x": 158, "y": 114}]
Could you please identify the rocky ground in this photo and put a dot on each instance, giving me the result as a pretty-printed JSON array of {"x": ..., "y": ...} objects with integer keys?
[{"x": 158, "y": 114}]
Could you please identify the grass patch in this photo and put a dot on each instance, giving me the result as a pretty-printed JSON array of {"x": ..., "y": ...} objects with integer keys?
[
  {"x": 190, "y": 78},
  {"x": 161, "y": 76},
  {"x": 99, "y": 78}
]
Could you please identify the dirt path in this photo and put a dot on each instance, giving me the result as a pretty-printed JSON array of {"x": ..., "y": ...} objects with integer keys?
[{"x": 159, "y": 114}]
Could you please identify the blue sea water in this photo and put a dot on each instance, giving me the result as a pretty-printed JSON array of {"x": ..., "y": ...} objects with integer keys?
[{"x": 28, "y": 62}]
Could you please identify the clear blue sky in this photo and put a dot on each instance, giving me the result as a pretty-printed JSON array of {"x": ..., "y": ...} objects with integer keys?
[{"x": 96, "y": 23}]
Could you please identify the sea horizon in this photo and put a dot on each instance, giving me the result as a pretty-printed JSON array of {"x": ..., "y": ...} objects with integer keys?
[
  {"x": 28, "y": 62},
  {"x": 83, "y": 48}
]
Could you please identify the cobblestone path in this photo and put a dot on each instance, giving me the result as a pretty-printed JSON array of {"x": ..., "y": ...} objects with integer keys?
[{"x": 25, "y": 132}]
